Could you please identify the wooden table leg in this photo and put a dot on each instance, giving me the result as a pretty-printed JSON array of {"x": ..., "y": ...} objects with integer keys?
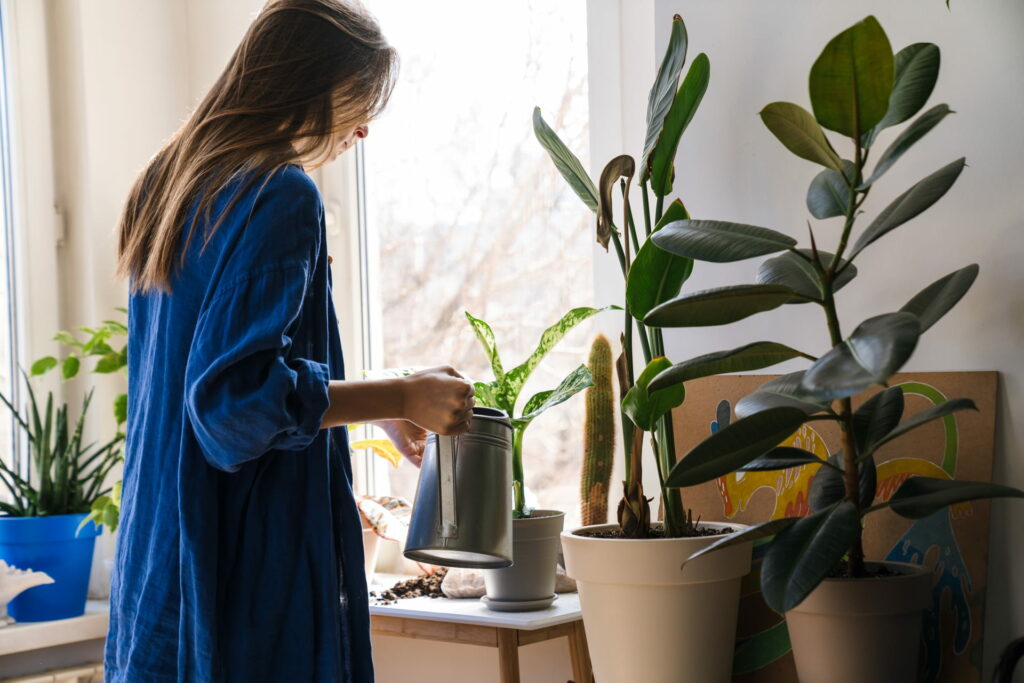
[
  {"x": 580, "y": 655},
  {"x": 508, "y": 655}
]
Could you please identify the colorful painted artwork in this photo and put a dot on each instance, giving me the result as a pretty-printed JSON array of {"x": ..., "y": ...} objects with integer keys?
[{"x": 952, "y": 542}]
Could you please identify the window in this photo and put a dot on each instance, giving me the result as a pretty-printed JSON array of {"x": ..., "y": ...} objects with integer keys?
[{"x": 465, "y": 212}]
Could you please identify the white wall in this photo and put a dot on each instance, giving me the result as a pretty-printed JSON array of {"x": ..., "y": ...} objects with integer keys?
[{"x": 730, "y": 167}]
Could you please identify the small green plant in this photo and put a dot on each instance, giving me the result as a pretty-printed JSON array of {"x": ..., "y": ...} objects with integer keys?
[
  {"x": 503, "y": 392},
  {"x": 68, "y": 474},
  {"x": 598, "y": 435},
  {"x": 858, "y": 88}
]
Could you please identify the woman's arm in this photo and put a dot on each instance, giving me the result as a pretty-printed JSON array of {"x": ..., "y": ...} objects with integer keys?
[{"x": 438, "y": 400}]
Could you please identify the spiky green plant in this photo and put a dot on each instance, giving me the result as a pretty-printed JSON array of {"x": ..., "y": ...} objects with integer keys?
[{"x": 598, "y": 435}]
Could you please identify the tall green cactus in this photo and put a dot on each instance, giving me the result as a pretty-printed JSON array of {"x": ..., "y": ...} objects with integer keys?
[{"x": 599, "y": 435}]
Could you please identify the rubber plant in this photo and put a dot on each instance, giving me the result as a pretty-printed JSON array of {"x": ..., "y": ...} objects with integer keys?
[
  {"x": 504, "y": 390},
  {"x": 652, "y": 276},
  {"x": 858, "y": 89}
]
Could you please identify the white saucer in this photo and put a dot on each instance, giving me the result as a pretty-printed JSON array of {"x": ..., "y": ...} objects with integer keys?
[{"x": 518, "y": 605}]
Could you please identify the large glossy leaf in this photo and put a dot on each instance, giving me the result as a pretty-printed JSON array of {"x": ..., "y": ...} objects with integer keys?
[
  {"x": 911, "y": 203},
  {"x": 781, "y": 458},
  {"x": 804, "y": 553},
  {"x": 565, "y": 161},
  {"x": 786, "y": 390},
  {"x": 935, "y": 300},
  {"x": 916, "y": 70},
  {"x": 828, "y": 486},
  {"x": 575, "y": 382},
  {"x": 754, "y": 356},
  {"x": 917, "y": 419},
  {"x": 800, "y": 133},
  {"x": 720, "y": 241},
  {"x": 914, "y": 132},
  {"x": 735, "y": 445},
  {"x": 851, "y": 80},
  {"x": 878, "y": 416},
  {"x": 684, "y": 106},
  {"x": 748, "y": 535},
  {"x": 919, "y": 497},
  {"x": 718, "y": 306},
  {"x": 656, "y": 275},
  {"x": 829, "y": 193},
  {"x": 485, "y": 335},
  {"x": 645, "y": 406},
  {"x": 800, "y": 275},
  {"x": 663, "y": 91},
  {"x": 508, "y": 390},
  {"x": 876, "y": 349},
  {"x": 619, "y": 167}
]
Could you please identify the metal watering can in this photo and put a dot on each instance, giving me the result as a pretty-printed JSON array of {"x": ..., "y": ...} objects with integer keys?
[{"x": 462, "y": 516}]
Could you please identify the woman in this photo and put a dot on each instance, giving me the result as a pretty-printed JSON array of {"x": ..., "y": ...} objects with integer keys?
[{"x": 239, "y": 555}]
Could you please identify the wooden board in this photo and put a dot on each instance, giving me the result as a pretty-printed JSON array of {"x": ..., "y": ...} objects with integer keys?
[{"x": 953, "y": 542}]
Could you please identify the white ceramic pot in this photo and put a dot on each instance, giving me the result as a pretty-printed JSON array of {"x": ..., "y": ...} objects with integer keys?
[
  {"x": 649, "y": 620},
  {"x": 855, "y": 630}
]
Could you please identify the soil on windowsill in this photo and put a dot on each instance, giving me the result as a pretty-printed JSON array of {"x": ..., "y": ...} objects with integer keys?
[
  {"x": 420, "y": 586},
  {"x": 654, "y": 532},
  {"x": 877, "y": 571}
]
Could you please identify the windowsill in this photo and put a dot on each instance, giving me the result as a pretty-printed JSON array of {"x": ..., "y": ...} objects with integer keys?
[{"x": 38, "y": 635}]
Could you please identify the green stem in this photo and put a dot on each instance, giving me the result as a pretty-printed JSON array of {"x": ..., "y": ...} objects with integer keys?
[
  {"x": 632, "y": 231},
  {"x": 657, "y": 209},
  {"x": 647, "y": 210},
  {"x": 517, "y": 473}
]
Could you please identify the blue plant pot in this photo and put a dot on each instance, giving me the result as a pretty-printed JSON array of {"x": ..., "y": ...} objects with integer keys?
[{"x": 52, "y": 545}]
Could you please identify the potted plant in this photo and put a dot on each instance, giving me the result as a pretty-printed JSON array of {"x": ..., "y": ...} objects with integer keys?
[
  {"x": 530, "y": 582},
  {"x": 849, "y": 619},
  {"x": 634, "y": 595},
  {"x": 44, "y": 527}
]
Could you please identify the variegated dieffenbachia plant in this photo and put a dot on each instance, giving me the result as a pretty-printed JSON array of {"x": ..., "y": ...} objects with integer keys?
[{"x": 504, "y": 390}]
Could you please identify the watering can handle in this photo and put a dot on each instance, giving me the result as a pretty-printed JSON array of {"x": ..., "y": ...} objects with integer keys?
[{"x": 446, "y": 448}]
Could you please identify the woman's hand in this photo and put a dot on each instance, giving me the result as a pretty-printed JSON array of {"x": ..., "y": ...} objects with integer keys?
[
  {"x": 438, "y": 400},
  {"x": 410, "y": 439}
]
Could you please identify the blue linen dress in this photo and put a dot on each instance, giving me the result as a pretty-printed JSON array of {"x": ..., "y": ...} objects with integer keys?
[{"x": 239, "y": 553}]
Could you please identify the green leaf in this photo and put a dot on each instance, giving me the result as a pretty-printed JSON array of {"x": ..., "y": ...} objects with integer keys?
[
  {"x": 719, "y": 241},
  {"x": 781, "y": 458},
  {"x": 851, "y": 80},
  {"x": 684, "y": 106},
  {"x": 876, "y": 349},
  {"x": 485, "y": 335},
  {"x": 663, "y": 91},
  {"x": 914, "y": 132},
  {"x": 786, "y": 390},
  {"x": 565, "y": 161},
  {"x": 753, "y": 356},
  {"x": 919, "y": 497},
  {"x": 656, "y": 275},
  {"x": 800, "y": 275},
  {"x": 483, "y": 394},
  {"x": 43, "y": 365},
  {"x": 917, "y": 69},
  {"x": 916, "y": 420},
  {"x": 621, "y": 166},
  {"x": 110, "y": 517},
  {"x": 575, "y": 382},
  {"x": 508, "y": 390},
  {"x": 718, "y": 306},
  {"x": 800, "y": 133},
  {"x": 803, "y": 554},
  {"x": 935, "y": 300},
  {"x": 828, "y": 485},
  {"x": 829, "y": 193},
  {"x": 109, "y": 363},
  {"x": 910, "y": 204},
  {"x": 644, "y": 406},
  {"x": 878, "y": 416},
  {"x": 748, "y": 535},
  {"x": 70, "y": 367},
  {"x": 67, "y": 339},
  {"x": 735, "y": 445},
  {"x": 121, "y": 408}
]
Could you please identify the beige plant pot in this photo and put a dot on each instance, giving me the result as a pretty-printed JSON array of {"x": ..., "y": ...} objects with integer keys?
[
  {"x": 371, "y": 550},
  {"x": 649, "y": 620},
  {"x": 857, "y": 630}
]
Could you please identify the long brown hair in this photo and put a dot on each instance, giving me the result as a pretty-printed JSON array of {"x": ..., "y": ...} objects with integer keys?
[{"x": 306, "y": 72}]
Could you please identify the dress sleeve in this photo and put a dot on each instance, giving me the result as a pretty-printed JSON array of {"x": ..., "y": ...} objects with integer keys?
[{"x": 247, "y": 390}]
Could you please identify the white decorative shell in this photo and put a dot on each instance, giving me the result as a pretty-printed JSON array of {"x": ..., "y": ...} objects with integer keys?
[{"x": 14, "y": 581}]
